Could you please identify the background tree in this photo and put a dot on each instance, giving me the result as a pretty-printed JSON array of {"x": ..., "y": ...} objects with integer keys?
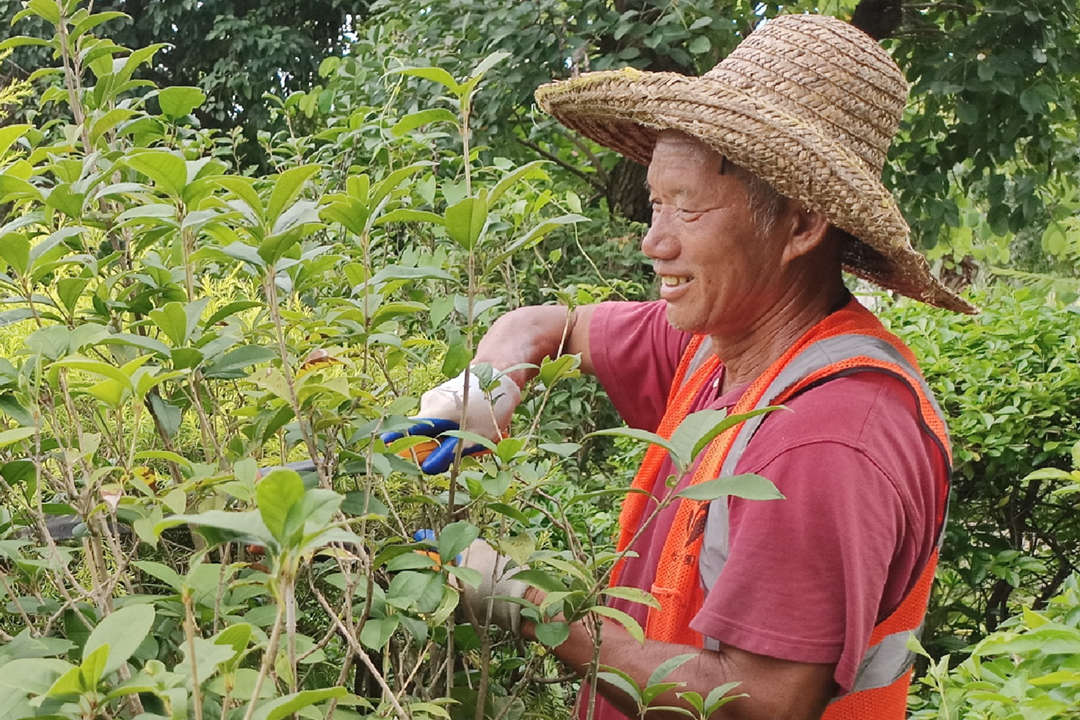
[{"x": 234, "y": 50}]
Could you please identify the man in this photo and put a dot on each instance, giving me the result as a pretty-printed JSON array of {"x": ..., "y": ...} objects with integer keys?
[{"x": 764, "y": 179}]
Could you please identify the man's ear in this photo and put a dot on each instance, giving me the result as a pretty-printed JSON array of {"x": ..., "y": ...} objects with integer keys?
[{"x": 808, "y": 232}]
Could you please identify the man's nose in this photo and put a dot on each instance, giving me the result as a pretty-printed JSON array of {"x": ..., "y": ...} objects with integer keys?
[{"x": 660, "y": 242}]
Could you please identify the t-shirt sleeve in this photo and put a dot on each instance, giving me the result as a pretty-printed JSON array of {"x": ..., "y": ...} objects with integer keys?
[
  {"x": 635, "y": 353},
  {"x": 804, "y": 575}
]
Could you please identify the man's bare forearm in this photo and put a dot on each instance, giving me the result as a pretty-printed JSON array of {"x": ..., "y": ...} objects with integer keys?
[
  {"x": 776, "y": 688},
  {"x": 529, "y": 334}
]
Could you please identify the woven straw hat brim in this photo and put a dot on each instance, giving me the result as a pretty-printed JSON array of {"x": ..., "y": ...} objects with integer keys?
[{"x": 625, "y": 109}]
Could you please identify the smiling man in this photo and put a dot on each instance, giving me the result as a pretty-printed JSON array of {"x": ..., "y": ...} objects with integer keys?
[{"x": 764, "y": 176}]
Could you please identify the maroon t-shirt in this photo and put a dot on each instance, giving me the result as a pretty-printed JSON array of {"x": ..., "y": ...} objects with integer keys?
[{"x": 807, "y": 577}]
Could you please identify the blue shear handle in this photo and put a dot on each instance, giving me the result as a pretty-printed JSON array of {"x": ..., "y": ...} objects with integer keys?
[
  {"x": 427, "y": 427},
  {"x": 441, "y": 458}
]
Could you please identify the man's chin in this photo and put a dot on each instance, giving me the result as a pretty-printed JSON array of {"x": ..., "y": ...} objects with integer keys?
[{"x": 678, "y": 320}]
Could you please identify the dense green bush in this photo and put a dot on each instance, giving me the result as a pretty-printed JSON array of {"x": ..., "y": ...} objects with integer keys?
[
  {"x": 1008, "y": 380},
  {"x": 1029, "y": 668}
]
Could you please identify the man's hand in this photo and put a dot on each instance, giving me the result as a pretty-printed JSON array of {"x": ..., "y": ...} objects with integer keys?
[
  {"x": 441, "y": 410},
  {"x": 497, "y": 583}
]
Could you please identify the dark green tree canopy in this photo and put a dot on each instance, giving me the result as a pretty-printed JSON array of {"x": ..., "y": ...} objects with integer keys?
[{"x": 235, "y": 50}]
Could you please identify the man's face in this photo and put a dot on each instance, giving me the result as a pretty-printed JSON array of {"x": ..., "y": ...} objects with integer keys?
[{"x": 718, "y": 271}]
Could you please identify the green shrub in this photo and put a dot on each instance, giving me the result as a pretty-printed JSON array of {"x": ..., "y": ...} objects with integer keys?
[
  {"x": 1008, "y": 380},
  {"x": 1028, "y": 668}
]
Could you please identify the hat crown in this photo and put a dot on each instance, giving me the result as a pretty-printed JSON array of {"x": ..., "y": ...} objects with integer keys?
[{"x": 827, "y": 73}]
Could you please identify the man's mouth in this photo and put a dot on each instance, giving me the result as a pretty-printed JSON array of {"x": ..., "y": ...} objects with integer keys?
[{"x": 673, "y": 280}]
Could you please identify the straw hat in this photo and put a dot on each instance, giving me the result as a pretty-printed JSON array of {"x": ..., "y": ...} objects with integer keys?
[{"x": 807, "y": 103}]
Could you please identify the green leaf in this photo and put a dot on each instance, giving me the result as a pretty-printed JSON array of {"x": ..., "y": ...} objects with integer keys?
[
  {"x": 698, "y": 429},
  {"x": 10, "y": 133},
  {"x": 532, "y": 237},
  {"x": 669, "y": 666},
  {"x": 275, "y": 495},
  {"x": 488, "y": 62},
  {"x": 314, "y": 512},
  {"x": 377, "y": 631},
  {"x": 66, "y": 200},
  {"x": 162, "y": 572},
  {"x": 532, "y": 169},
  {"x": 92, "y": 21},
  {"x": 228, "y": 310},
  {"x": 472, "y": 438},
  {"x": 51, "y": 341},
  {"x": 173, "y": 321},
  {"x": 287, "y": 187},
  {"x": 48, "y": 10},
  {"x": 747, "y": 486},
  {"x": 409, "y": 588},
  {"x": 10, "y": 437},
  {"x": 716, "y": 696},
  {"x": 565, "y": 449},
  {"x": 69, "y": 290},
  {"x": 1048, "y": 639},
  {"x": 424, "y": 117},
  {"x": 281, "y": 707},
  {"x": 243, "y": 252},
  {"x": 562, "y": 367},
  {"x": 633, "y": 594},
  {"x": 356, "y": 501},
  {"x": 434, "y": 74},
  {"x": 540, "y": 579},
  {"x": 621, "y": 680},
  {"x": 68, "y": 685},
  {"x": 467, "y": 575},
  {"x": 13, "y": 188},
  {"x": 178, "y": 101},
  {"x": 641, "y": 436},
  {"x": 552, "y": 634},
  {"x": 123, "y": 631},
  {"x": 244, "y": 189},
  {"x": 96, "y": 367},
  {"x": 248, "y": 525},
  {"x": 455, "y": 537},
  {"x": 168, "y": 171},
  {"x": 623, "y": 619},
  {"x": 457, "y": 357},
  {"x": 465, "y": 220},
  {"x": 208, "y": 656},
  {"x": 232, "y": 365},
  {"x": 699, "y": 45},
  {"x": 23, "y": 40},
  {"x": 154, "y": 214},
  {"x": 410, "y": 215},
  {"x": 15, "y": 251},
  {"x": 27, "y": 675},
  {"x": 410, "y": 561},
  {"x": 237, "y": 637}
]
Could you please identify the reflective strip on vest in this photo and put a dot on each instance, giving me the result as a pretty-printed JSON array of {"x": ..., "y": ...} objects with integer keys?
[
  {"x": 885, "y": 662},
  {"x": 889, "y": 659}
]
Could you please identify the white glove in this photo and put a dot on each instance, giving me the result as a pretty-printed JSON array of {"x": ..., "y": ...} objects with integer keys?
[
  {"x": 487, "y": 416},
  {"x": 496, "y": 584}
]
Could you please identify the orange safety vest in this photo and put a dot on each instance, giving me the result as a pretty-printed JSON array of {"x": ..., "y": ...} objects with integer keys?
[{"x": 847, "y": 341}]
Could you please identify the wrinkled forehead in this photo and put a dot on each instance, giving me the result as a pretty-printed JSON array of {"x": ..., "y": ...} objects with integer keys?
[
  {"x": 682, "y": 161},
  {"x": 671, "y": 141}
]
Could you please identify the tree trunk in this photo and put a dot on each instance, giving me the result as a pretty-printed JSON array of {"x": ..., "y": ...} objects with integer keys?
[{"x": 627, "y": 193}]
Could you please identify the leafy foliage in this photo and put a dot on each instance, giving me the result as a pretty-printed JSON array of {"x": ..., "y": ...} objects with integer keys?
[
  {"x": 1008, "y": 383},
  {"x": 1026, "y": 669},
  {"x": 234, "y": 51}
]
